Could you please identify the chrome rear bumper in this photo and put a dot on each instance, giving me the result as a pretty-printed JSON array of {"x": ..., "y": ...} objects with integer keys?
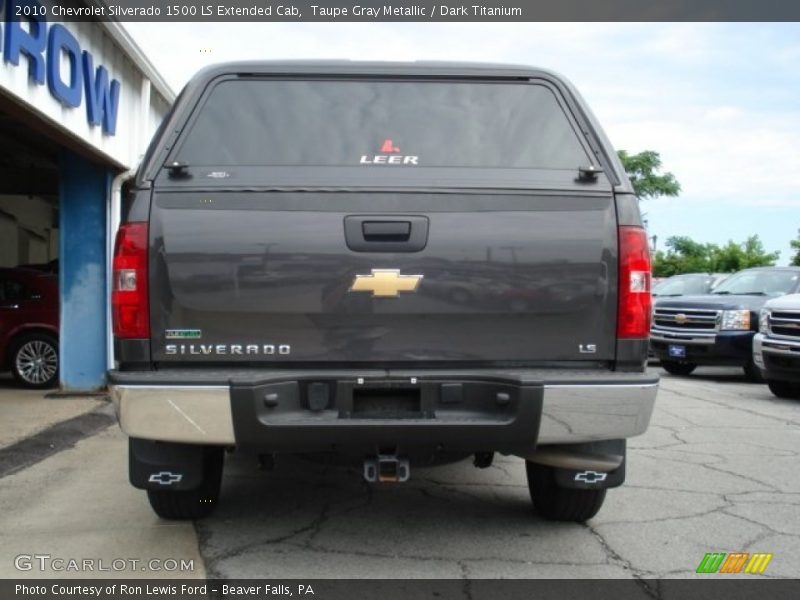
[
  {"x": 571, "y": 412},
  {"x": 189, "y": 414},
  {"x": 585, "y": 413}
]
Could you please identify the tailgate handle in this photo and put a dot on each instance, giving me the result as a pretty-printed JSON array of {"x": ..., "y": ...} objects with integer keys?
[{"x": 386, "y": 231}]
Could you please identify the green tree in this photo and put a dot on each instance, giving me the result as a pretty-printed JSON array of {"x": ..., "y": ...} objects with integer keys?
[
  {"x": 643, "y": 171},
  {"x": 735, "y": 257},
  {"x": 796, "y": 246},
  {"x": 684, "y": 255}
]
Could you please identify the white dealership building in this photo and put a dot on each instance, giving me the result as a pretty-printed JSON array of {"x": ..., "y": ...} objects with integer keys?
[{"x": 79, "y": 102}]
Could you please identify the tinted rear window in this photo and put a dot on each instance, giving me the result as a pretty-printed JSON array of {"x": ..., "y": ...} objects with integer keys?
[{"x": 338, "y": 123}]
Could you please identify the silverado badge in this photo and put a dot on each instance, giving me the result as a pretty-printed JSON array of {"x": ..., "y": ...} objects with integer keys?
[{"x": 385, "y": 283}]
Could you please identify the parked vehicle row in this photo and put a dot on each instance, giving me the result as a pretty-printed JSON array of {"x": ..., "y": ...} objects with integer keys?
[{"x": 720, "y": 327}]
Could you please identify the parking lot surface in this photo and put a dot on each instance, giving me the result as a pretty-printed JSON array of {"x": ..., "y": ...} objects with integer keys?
[
  {"x": 24, "y": 413},
  {"x": 716, "y": 472}
]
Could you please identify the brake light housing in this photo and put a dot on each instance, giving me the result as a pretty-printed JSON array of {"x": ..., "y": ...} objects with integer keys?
[
  {"x": 130, "y": 305},
  {"x": 634, "y": 299}
]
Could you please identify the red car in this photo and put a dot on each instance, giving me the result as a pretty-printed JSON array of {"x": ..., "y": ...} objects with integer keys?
[{"x": 29, "y": 326}]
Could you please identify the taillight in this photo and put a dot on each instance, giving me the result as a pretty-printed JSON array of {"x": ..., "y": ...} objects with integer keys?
[
  {"x": 130, "y": 308},
  {"x": 633, "y": 314}
]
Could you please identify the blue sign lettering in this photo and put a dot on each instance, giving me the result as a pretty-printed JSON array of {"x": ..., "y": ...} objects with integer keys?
[
  {"x": 61, "y": 40},
  {"x": 31, "y": 44},
  {"x": 102, "y": 100},
  {"x": 44, "y": 48}
]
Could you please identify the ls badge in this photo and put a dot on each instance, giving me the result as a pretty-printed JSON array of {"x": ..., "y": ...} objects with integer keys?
[{"x": 385, "y": 283}]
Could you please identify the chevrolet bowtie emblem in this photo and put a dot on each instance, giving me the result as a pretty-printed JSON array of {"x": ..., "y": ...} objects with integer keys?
[{"x": 385, "y": 283}]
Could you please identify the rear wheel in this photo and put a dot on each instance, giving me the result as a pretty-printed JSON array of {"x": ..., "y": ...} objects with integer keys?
[
  {"x": 192, "y": 504},
  {"x": 678, "y": 368},
  {"x": 557, "y": 503},
  {"x": 753, "y": 373},
  {"x": 34, "y": 360},
  {"x": 784, "y": 389}
]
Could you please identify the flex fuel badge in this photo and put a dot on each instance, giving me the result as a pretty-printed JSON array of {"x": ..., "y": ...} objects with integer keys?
[{"x": 183, "y": 334}]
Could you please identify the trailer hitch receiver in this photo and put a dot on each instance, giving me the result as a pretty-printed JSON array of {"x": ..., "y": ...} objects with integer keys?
[{"x": 386, "y": 468}]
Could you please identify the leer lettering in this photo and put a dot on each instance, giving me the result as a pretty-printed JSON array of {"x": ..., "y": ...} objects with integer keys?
[{"x": 389, "y": 159}]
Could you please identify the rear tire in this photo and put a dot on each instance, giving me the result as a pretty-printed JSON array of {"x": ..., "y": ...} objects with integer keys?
[
  {"x": 34, "y": 360},
  {"x": 184, "y": 505},
  {"x": 678, "y": 368},
  {"x": 785, "y": 389},
  {"x": 753, "y": 373},
  {"x": 557, "y": 503}
]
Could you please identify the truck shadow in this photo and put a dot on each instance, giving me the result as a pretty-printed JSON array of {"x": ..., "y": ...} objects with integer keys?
[{"x": 310, "y": 512}]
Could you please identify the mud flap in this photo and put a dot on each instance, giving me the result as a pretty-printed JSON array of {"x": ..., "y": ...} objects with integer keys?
[
  {"x": 165, "y": 465},
  {"x": 591, "y": 479}
]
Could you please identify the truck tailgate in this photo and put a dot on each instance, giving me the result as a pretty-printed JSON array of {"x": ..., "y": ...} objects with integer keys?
[{"x": 260, "y": 276}]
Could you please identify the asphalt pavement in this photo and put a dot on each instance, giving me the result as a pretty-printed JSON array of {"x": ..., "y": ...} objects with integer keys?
[{"x": 716, "y": 472}]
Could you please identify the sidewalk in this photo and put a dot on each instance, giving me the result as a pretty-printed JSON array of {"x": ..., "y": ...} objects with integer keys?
[
  {"x": 78, "y": 506},
  {"x": 25, "y": 412},
  {"x": 64, "y": 493}
]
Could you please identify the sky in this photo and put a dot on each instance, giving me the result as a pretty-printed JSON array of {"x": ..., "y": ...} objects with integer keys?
[{"x": 719, "y": 101}]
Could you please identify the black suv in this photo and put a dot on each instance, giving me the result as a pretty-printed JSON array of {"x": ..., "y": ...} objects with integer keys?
[{"x": 718, "y": 328}]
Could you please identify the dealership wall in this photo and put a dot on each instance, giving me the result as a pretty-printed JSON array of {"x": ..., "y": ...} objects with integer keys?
[
  {"x": 140, "y": 106},
  {"x": 28, "y": 230},
  {"x": 93, "y": 158}
]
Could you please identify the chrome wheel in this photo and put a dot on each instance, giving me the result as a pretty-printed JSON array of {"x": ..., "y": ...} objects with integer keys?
[{"x": 36, "y": 362}]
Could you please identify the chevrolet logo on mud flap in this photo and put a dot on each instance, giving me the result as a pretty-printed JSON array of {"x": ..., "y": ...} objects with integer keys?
[
  {"x": 591, "y": 477},
  {"x": 165, "y": 478},
  {"x": 385, "y": 283}
]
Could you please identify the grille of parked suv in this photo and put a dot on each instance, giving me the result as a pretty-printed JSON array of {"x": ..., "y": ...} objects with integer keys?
[
  {"x": 685, "y": 319},
  {"x": 785, "y": 323}
]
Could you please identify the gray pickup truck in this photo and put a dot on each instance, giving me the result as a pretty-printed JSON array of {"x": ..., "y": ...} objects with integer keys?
[{"x": 386, "y": 264}]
